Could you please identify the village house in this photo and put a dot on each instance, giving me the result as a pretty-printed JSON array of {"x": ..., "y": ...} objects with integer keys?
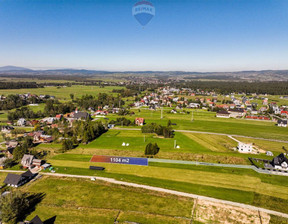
[
  {"x": 37, "y": 220},
  {"x": 194, "y": 105},
  {"x": 27, "y": 161},
  {"x": 79, "y": 115},
  {"x": 282, "y": 123},
  {"x": 2, "y": 162},
  {"x": 11, "y": 144},
  {"x": 32, "y": 123},
  {"x": 280, "y": 162},
  {"x": 223, "y": 114},
  {"x": 245, "y": 148},
  {"x": 9, "y": 153},
  {"x": 237, "y": 112},
  {"x": 46, "y": 138},
  {"x": 284, "y": 113},
  {"x": 6, "y": 129},
  {"x": 59, "y": 116},
  {"x": 48, "y": 120},
  {"x": 35, "y": 135},
  {"x": 15, "y": 180},
  {"x": 21, "y": 122},
  {"x": 101, "y": 112},
  {"x": 139, "y": 121}
]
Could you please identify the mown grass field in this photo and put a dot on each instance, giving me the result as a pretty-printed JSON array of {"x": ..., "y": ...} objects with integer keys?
[
  {"x": 207, "y": 122},
  {"x": 85, "y": 201},
  {"x": 276, "y": 147},
  {"x": 240, "y": 185},
  {"x": 195, "y": 147}
]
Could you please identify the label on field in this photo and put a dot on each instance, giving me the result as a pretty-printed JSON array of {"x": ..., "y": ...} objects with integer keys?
[{"x": 120, "y": 160}]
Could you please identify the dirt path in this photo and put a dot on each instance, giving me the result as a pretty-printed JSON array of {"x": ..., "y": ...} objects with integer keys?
[{"x": 183, "y": 194}]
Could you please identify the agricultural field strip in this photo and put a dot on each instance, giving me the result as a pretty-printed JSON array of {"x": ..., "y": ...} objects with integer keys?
[
  {"x": 217, "y": 165},
  {"x": 182, "y": 194},
  {"x": 227, "y": 181},
  {"x": 208, "y": 133}
]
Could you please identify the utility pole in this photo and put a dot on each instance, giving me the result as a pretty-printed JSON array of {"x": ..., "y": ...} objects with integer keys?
[
  {"x": 161, "y": 113},
  {"x": 192, "y": 118},
  {"x": 174, "y": 144},
  {"x": 119, "y": 103}
]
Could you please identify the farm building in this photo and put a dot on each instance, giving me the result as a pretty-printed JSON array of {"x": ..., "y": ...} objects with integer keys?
[{"x": 223, "y": 114}]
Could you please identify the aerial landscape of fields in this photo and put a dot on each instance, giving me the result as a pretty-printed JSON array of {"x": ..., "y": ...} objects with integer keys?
[{"x": 143, "y": 112}]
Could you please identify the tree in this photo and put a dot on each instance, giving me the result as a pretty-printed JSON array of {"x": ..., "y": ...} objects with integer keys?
[
  {"x": 72, "y": 96},
  {"x": 13, "y": 206},
  {"x": 8, "y": 163},
  {"x": 169, "y": 123},
  {"x": 152, "y": 149},
  {"x": 37, "y": 127},
  {"x": 67, "y": 144},
  {"x": 19, "y": 152}
]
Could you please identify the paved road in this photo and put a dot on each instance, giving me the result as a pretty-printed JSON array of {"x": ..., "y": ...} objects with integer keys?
[
  {"x": 178, "y": 193},
  {"x": 210, "y": 133}
]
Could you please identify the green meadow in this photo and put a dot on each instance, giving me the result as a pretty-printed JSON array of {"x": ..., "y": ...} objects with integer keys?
[
  {"x": 207, "y": 122},
  {"x": 85, "y": 201},
  {"x": 195, "y": 147},
  {"x": 63, "y": 93},
  {"x": 222, "y": 183}
]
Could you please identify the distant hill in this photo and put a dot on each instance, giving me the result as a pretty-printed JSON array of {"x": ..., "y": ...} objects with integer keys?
[
  {"x": 265, "y": 75},
  {"x": 13, "y": 68}
]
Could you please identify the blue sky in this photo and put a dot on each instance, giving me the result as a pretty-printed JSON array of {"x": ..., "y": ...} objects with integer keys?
[{"x": 190, "y": 35}]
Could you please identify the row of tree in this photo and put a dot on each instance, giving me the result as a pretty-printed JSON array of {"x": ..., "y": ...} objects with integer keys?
[
  {"x": 15, "y": 101},
  {"x": 24, "y": 112},
  {"x": 18, "y": 85},
  {"x": 165, "y": 131},
  {"x": 103, "y": 99},
  {"x": 273, "y": 88},
  {"x": 53, "y": 107}
]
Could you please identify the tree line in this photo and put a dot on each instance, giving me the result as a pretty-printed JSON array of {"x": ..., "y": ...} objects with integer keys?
[
  {"x": 158, "y": 129},
  {"x": 103, "y": 99},
  {"x": 16, "y": 101},
  {"x": 19, "y": 85},
  {"x": 273, "y": 88}
]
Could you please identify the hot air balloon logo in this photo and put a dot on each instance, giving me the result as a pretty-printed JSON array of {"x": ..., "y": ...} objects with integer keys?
[{"x": 143, "y": 11}]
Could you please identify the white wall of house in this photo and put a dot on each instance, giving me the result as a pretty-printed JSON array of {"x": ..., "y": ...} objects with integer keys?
[{"x": 245, "y": 148}]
